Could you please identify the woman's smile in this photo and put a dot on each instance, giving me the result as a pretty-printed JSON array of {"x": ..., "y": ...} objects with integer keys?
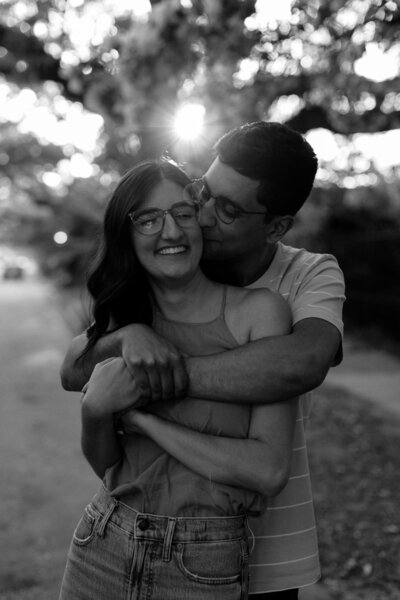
[{"x": 168, "y": 250}]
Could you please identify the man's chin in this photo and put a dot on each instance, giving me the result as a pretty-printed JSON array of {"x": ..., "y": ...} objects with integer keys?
[{"x": 211, "y": 250}]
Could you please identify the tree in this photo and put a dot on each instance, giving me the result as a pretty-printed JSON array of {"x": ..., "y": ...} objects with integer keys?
[
  {"x": 136, "y": 70},
  {"x": 219, "y": 52}
]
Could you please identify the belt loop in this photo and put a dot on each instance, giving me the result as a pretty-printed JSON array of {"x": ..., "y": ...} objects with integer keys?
[
  {"x": 166, "y": 553},
  {"x": 106, "y": 516}
]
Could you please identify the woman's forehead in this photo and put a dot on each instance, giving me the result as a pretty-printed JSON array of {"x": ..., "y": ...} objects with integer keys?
[{"x": 163, "y": 195}]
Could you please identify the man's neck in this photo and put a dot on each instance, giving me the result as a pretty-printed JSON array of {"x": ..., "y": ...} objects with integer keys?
[{"x": 240, "y": 272}]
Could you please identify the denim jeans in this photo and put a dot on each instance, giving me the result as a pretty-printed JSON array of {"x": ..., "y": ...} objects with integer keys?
[{"x": 118, "y": 553}]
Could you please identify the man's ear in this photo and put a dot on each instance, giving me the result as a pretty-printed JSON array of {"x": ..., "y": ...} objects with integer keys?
[{"x": 278, "y": 227}]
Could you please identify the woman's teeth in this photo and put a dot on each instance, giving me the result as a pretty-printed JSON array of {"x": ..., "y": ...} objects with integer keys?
[{"x": 172, "y": 250}]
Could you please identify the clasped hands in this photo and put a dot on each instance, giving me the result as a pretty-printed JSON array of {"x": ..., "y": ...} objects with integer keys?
[{"x": 149, "y": 369}]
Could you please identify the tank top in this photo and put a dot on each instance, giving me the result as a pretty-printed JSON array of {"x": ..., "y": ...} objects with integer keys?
[{"x": 150, "y": 480}]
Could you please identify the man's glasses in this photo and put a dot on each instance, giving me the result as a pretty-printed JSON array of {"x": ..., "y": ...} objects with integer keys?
[
  {"x": 226, "y": 210},
  {"x": 151, "y": 222}
]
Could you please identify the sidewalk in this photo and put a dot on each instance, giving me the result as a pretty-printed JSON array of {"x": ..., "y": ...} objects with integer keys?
[
  {"x": 371, "y": 374},
  {"x": 46, "y": 481}
]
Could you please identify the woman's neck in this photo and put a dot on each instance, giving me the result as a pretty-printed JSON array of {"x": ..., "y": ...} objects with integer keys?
[{"x": 193, "y": 301}]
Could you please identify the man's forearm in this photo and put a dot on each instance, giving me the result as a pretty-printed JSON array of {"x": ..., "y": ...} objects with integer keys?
[
  {"x": 267, "y": 370},
  {"x": 76, "y": 370},
  {"x": 244, "y": 375}
]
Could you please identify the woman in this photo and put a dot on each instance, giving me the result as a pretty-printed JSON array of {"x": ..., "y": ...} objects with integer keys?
[{"x": 170, "y": 519}]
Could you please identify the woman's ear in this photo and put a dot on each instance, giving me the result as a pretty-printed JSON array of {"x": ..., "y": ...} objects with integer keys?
[{"x": 278, "y": 227}]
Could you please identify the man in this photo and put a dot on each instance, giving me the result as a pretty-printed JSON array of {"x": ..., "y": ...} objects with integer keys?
[{"x": 261, "y": 177}]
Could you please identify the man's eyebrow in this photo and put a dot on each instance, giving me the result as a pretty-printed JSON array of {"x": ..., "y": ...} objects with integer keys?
[{"x": 205, "y": 183}]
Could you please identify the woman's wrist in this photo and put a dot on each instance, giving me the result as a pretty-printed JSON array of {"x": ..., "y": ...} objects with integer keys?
[
  {"x": 92, "y": 409},
  {"x": 135, "y": 421}
]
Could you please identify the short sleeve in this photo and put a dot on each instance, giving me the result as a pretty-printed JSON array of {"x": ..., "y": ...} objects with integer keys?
[{"x": 320, "y": 293}]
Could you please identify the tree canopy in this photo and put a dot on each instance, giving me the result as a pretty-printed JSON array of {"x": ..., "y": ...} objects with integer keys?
[
  {"x": 136, "y": 71},
  {"x": 122, "y": 69}
]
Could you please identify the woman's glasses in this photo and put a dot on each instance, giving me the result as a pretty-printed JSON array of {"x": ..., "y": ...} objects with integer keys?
[
  {"x": 226, "y": 210},
  {"x": 151, "y": 222}
]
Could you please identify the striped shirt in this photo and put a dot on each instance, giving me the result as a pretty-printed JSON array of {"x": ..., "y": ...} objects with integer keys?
[{"x": 285, "y": 554}]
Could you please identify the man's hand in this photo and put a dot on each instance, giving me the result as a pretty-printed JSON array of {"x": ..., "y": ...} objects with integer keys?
[
  {"x": 111, "y": 389},
  {"x": 154, "y": 363}
]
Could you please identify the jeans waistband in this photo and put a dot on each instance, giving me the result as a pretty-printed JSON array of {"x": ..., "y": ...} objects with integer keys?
[{"x": 160, "y": 527}]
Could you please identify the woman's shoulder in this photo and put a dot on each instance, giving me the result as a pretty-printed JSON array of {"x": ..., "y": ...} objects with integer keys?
[
  {"x": 257, "y": 312},
  {"x": 264, "y": 298}
]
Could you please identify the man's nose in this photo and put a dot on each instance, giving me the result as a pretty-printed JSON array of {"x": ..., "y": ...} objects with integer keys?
[
  {"x": 170, "y": 229},
  {"x": 207, "y": 216}
]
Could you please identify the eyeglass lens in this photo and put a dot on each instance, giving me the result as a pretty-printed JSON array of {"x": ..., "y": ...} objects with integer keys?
[{"x": 152, "y": 222}]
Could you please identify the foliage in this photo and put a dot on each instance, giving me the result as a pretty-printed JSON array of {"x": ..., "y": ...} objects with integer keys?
[
  {"x": 360, "y": 227},
  {"x": 141, "y": 70},
  {"x": 136, "y": 71}
]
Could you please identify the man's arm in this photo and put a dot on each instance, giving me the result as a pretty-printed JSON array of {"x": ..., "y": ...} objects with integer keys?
[
  {"x": 269, "y": 369},
  {"x": 154, "y": 363},
  {"x": 75, "y": 370},
  {"x": 259, "y": 463}
]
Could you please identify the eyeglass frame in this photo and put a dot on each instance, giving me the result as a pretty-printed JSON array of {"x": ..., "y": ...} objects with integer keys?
[
  {"x": 163, "y": 213},
  {"x": 201, "y": 202}
]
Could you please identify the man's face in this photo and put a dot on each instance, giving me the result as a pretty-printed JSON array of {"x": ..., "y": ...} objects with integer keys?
[{"x": 243, "y": 238}]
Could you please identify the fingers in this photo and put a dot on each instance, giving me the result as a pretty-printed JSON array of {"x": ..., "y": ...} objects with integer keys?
[
  {"x": 155, "y": 364},
  {"x": 160, "y": 377},
  {"x": 141, "y": 385}
]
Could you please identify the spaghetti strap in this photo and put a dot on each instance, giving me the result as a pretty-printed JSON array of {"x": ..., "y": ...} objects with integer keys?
[{"x": 223, "y": 303}]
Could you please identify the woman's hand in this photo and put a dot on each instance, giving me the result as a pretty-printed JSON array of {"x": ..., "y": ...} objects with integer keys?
[{"x": 112, "y": 389}]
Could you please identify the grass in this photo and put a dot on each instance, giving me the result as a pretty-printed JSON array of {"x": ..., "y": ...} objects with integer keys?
[{"x": 355, "y": 462}]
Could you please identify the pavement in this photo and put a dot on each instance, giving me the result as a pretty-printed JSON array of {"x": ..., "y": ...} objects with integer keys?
[
  {"x": 46, "y": 481},
  {"x": 40, "y": 420},
  {"x": 369, "y": 373}
]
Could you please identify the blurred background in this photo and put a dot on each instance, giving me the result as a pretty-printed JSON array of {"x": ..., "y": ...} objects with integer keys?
[{"x": 89, "y": 88}]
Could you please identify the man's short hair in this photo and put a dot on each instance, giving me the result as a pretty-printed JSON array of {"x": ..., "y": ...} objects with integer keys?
[{"x": 278, "y": 157}]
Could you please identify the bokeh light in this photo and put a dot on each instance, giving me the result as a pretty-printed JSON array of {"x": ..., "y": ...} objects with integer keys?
[{"x": 60, "y": 238}]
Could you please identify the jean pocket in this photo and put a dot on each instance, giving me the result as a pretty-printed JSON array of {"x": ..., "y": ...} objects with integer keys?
[
  {"x": 216, "y": 563},
  {"x": 86, "y": 527}
]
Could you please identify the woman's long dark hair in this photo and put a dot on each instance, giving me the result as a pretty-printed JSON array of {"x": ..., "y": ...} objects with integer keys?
[{"x": 117, "y": 282}]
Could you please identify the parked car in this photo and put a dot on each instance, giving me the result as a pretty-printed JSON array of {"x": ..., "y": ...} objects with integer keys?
[{"x": 13, "y": 272}]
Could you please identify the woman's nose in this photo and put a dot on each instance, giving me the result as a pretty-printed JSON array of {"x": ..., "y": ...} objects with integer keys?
[
  {"x": 170, "y": 229},
  {"x": 207, "y": 217}
]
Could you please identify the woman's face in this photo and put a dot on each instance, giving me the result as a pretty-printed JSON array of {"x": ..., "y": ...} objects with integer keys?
[{"x": 172, "y": 254}]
